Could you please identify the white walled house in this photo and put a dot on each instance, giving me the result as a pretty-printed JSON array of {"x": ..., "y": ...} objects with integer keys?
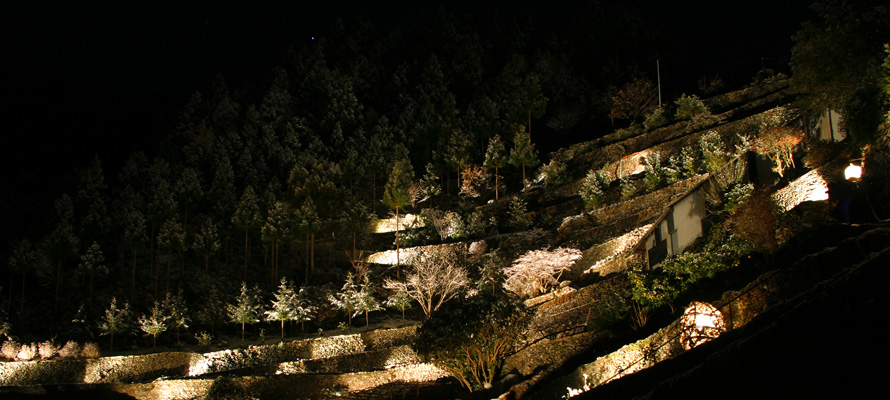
[{"x": 678, "y": 226}]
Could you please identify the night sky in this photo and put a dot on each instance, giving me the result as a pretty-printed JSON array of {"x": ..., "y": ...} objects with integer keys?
[{"x": 109, "y": 77}]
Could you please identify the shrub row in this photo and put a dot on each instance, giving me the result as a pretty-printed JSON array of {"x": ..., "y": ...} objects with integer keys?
[{"x": 12, "y": 350}]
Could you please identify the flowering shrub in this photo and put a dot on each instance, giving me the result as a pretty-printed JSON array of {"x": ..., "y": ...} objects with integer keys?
[
  {"x": 27, "y": 352},
  {"x": 70, "y": 350},
  {"x": 10, "y": 349},
  {"x": 47, "y": 349},
  {"x": 90, "y": 350},
  {"x": 536, "y": 271}
]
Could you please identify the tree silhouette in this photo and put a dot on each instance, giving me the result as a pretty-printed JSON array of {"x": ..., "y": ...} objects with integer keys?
[
  {"x": 496, "y": 157},
  {"x": 397, "y": 194},
  {"x": 523, "y": 153}
]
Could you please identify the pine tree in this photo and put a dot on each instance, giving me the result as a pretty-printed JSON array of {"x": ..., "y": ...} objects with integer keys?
[
  {"x": 246, "y": 309},
  {"x": 23, "y": 260},
  {"x": 397, "y": 194},
  {"x": 177, "y": 312},
  {"x": 277, "y": 229},
  {"x": 366, "y": 300},
  {"x": 400, "y": 300},
  {"x": 496, "y": 157},
  {"x": 92, "y": 263},
  {"x": 284, "y": 306},
  {"x": 304, "y": 310},
  {"x": 172, "y": 239},
  {"x": 247, "y": 217},
  {"x": 591, "y": 191},
  {"x": 213, "y": 309},
  {"x": 206, "y": 242},
  {"x": 134, "y": 238},
  {"x": 524, "y": 153},
  {"x": 348, "y": 299},
  {"x": 309, "y": 224},
  {"x": 116, "y": 321}
]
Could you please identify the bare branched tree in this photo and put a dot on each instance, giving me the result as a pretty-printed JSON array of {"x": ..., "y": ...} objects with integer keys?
[
  {"x": 437, "y": 275},
  {"x": 536, "y": 271}
]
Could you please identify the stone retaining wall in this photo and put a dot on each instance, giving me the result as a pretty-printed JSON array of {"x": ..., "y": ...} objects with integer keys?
[{"x": 152, "y": 366}]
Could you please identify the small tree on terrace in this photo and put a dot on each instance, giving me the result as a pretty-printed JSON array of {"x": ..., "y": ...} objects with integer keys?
[
  {"x": 634, "y": 100},
  {"x": 154, "y": 324},
  {"x": 472, "y": 338},
  {"x": 246, "y": 309},
  {"x": 400, "y": 300},
  {"x": 366, "y": 300},
  {"x": 213, "y": 309},
  {"x": 284, "y": 306},
  {"x": 304, "y": 310},
  {"x": 348, "y": 299},
  {"x": 438, "y": 275},
  {"x": 176, "y": 311},
  {"x": 533, "y": 272},
  {"x": 116, "y": 321}
]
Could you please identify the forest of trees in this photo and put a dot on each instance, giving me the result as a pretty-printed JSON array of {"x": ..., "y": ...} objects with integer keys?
[{"x": 281, "y": 178}]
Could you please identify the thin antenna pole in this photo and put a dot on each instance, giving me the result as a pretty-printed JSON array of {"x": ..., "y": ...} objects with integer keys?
[{"x": 658, "y": 72}]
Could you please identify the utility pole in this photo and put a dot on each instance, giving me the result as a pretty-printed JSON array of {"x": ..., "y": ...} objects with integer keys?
[{"x": 658, "y": 73}]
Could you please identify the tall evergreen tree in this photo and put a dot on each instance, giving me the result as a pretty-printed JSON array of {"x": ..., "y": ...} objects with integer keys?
[
  {"x": 496, "y": 157},
  {"x": 172, "y": 239},
  {"x": 206, "y": 242},
  {"x": 397, "y": 194},
  {"x": 92, "y": 263},
  {"x": 23, "y": 261},
  {"x": 524, "y": 153},
  {"x": 247, "y": 217}
]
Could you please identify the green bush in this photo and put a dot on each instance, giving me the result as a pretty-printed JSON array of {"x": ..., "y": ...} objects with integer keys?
[
  {"x": 653, "y": 289},
  {"x": 628, "y": 189},
  {"x": 554, "y": 173},
  {"x": 714, "y": 151},
  {"x": 518, "y": 216},
  {"x": 592, "y": 190},
  {"x": 690, "y": 107},
  {"x": 655, "y": 173},
  {"x": 657, "y": 118}
]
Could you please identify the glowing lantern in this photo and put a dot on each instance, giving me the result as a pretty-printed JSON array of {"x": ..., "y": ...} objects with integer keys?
[
  {"x": 700, "y": 323},
  {"x": 853, "y": 172}
]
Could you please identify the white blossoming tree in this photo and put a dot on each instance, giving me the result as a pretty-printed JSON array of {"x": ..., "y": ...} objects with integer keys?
[
  {"x": 438, "y": 275},
  {"x": 536, "y": 271}
]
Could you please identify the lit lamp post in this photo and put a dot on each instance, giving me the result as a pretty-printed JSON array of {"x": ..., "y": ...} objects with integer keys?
[{"x": 853, "y": 173}]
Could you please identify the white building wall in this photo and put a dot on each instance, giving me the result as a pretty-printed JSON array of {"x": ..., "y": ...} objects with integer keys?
[{"x": 688, "y": 215}]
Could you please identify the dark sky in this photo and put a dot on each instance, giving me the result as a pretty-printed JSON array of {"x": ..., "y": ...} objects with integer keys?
[{"x": 103, "y": 77}]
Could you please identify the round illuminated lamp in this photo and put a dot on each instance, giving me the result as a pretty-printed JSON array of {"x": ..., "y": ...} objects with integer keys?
[
  {"x": 701, "y": 322},
  {"x": 853, "y": 172}
]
